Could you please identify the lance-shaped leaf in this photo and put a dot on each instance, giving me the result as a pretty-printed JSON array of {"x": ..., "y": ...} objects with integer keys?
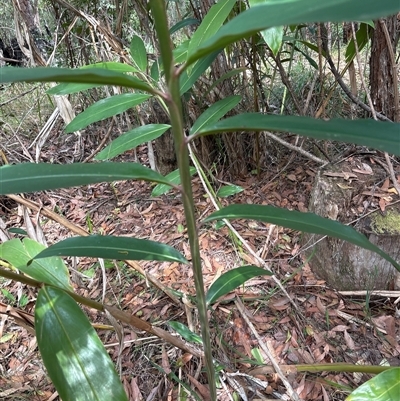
[
  {"x": 50, "y": 271},
  {"x": 215, "y": 112},
  {"x": 211, "y": 23},
  {"x": 75, "y": 358},
  {"x": 110, "y": 247},
  {"x": 233, "y": 279},
  {"x": 181, "y": 24},
  {"x": 307, "y": 222},
  {"x": 131, "y": 139},
  {"x": 374, "y": 134},
  {"x": 69, "y": 88},
  {"x": 172, "y": 177},
  {"x": 186, "y": 333},
  {"x": 280, "y": 13},
  {"x": 30, "y": 177},
  {"x": 86, "y": 76},
  {"x": 382, "y": 387},
  {"x": 105, "y": 108},
  {"x": 138, "y": 53}
]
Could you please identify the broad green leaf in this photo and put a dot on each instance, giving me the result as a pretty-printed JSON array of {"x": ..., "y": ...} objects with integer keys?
[
  {"x": 215, "y": 112},
  {"x": 187, "y": 334},
  {"x": 282, "y": 13},
  {"x": 180, "y": 52},
  {"x": 307, "y": 222},
  {"x": 138, "y": 53},
  {"x": 363, "y": 35},
  {"x": 95, "y": 76},
  {"x": 186, "y": 80},
  {"x": 374, "y": 134},
  {"x": 382, "y": 387},
  {"x": 75, "y": 358},
  {"x": 69, "y": 88},
  {"x": 174, "y": 178},
  {"x": 228, "y": 190},
  {"x": 105, "y": 108},
  {"x": 110, "y": 247},
  {"x": 131, "y": 139},
  {"x": 272, "y": 36},
  {"x": 181, "y": 24},
  {"x": 50, "y": 271},
  {"x": 211, "y": 23},
  {"x": 30, "y": 177},
  {"x": 233, "y": 279}
]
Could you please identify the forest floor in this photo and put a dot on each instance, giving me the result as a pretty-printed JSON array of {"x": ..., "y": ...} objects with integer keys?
[{"x": 314, "y": 325}]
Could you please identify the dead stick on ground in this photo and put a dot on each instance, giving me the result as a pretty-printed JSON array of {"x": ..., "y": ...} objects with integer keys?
[
  {"x": 292, "y": 394},
  {"x": 80, "y": 231}
]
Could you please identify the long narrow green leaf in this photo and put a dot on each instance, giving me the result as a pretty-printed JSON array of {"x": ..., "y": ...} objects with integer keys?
[
  {"x": 138, "y": 53},
  {"x": 181, "y": 24},
  {"x": 374, "y": 134},
  {"x": 215, "y": 112},
  {"x": 280, "y": 13},
  {"x": 186, "y": 80},
  {"x": 172, "y": 177},
  {"x": 30, "y": 177},
  {"x": 85, "y": 76},
  {"x": 105, "y": 108},
  {"x": 185, "y": 332},
  {"x": 233, "y": 279},
  {"x": 307, "y": 222},
  {"x": 131, "y": 139},
  {"x": 211, "y": 23},
  {"x": 110, "y": 247},
  {"x": 76, "y": 360},
  {"x": 383, "y": 387},
  {"x": 50, "y": 271}
]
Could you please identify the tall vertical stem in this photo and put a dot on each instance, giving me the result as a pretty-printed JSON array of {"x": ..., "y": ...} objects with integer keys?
[{"x": 173, "y": 100}]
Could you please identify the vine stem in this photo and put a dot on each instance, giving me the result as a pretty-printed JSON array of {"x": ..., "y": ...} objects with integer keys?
[{"x": 173, "y": 100}]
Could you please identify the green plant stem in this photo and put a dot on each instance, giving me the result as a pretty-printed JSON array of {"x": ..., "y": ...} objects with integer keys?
[{"x": 182, "y": 154}]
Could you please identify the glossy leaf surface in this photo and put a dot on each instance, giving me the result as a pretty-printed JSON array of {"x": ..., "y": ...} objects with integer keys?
[
  {"x": 233, "y": 279},
  {"x": 216, "y": 111},
  {"x": 105, "y": 108},
  {"x": 76, "y": 360},
  {"x": 50, "y": 271},
  {"x": 280, "y": 13},
  {"x": 110, "y": 247},
  {"x": 31, "y": 177},
  {"x": 382, "y": 387},
  {"x": 131, "y": 139},
  {"x": 306, "y": 222},
  {"x": 86, "y": 76},
  {"x": 172, "y": 177},
  {"x": 374, "y": 134}
]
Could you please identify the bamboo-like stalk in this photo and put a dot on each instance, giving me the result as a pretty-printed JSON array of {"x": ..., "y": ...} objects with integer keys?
[{"x": 173, "y": 100}]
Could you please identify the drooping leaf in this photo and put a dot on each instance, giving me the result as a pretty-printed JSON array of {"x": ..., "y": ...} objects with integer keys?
[
  {"x": 138, "y": 53},
  {"x": 186, "y": 80},
  {"x": 131, "y": 139},
  {"x": 216, "y": 111},
  {"x": 69, "y": 88},
  {"x": 30, "y": 177},
  {"x": 374, "y": 134},
  {"x": 306, "y": 222},
  {"x": 382, "y": 387},
  {"x": 181, "y": 24},
  {"x": 86, "y": 76},
  {"x": 363, "y": 35},
  {"x": 280, "y": 13},
  {"x": 211, "y": 23},
  {"x": 76, "y": 360},
  {"x": 50, "y": 271},
  {"x": 110, "y": 247},
  {"x": 105, "y": 108},
  {"x": 184, "y": 331},
  {"x": 228, "y": 190},
  {"x": 172, "y": 177},
  {"x": 233, "y": 279}
]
